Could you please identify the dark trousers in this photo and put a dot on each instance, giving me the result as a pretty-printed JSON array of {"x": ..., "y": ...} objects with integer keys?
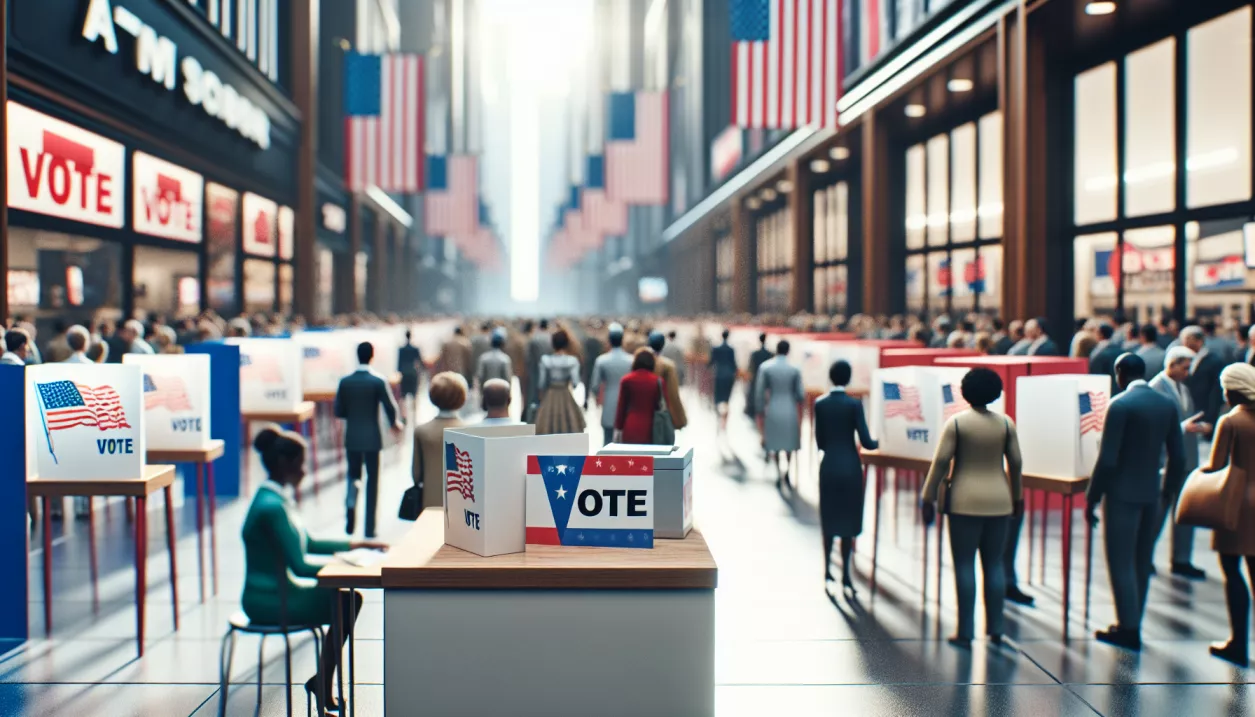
[
  {"x": 607, "y": 435},
  {"x": 1130, "y": 532},
  {"x": 987, "y": 535},
  {"x": 1015, "y": 525},
  {"x": 1238, "y": 597},
  {"x": 356, "y": 460}
]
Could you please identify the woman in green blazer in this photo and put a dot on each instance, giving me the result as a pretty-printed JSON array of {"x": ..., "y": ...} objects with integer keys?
[{"x": 280, "y": 586}]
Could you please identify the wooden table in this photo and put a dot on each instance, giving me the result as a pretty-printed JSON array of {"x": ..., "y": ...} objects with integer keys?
[
  {"x": 156, "y": 477},
  {"x": 204, "y": 459},
  {"x": 458, "y": 622},
  {"x": 302, "y": 416}
]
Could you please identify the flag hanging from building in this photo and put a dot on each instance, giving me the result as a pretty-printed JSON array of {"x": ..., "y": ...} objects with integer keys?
[
  {"x": 384, "y": 122},
  {"x": 602, "y": 215},
  {"x": 785, "y": 69},
  {"x": 452, "y": 199},
  {"x": 637, "y": 147}
]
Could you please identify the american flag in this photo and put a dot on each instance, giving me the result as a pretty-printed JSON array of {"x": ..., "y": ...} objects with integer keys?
[
  {"x": 602, "y": 215},
  {"x": 317, "y": 359},
  {"x": 952, "y": 402},
  {"x": 636, "y": 148},
  {"x": 902, "y": 401},
  {"x": 1093, "y": 406},
  {"x": 459, "y": 476},
  {"x": 262, "y": 369},
  {"x": 384, "y": 124},
  {"x": 452, "y": 201},
  {"x": 785, "y": 66},
  {"x": 67, "y": 404},
  {"x": 167, "y": 392}
]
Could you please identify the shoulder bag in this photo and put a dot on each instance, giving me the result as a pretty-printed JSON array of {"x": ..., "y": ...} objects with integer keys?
[
  {"x": 1213, "y": 499},
  {"x": 664, "y": 427},
  {"x": 946, "y": 489},
  {"x": 411, "y": 503}
]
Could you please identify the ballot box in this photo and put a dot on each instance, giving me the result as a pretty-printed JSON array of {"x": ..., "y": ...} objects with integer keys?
[
  {"x": 673, "y": 485},
  {"x": 1060, "y": 422}
]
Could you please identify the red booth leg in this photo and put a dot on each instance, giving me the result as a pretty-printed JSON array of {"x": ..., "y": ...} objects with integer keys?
[
  {"x": 47, "y": 567},
  {"x": 200, "y": 527},
  {"x": 1067, "y": 561},
  {"x": 171, "y": 543},
  {"x": 141, "y": 568}
]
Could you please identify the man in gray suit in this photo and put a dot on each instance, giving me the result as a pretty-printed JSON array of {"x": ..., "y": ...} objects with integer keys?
[
  {"x": 358, "y": 400},
  {"x": 1150, "y": 352},
  {"x": 1171, "y": 382},
  {"x": 540, "y": 344},
  {"x": 608, "y": 370},
  {"x": 77, "y": 339},
  {"x": 494, "y": 363},
  {"x": 1140, "y": 424}
]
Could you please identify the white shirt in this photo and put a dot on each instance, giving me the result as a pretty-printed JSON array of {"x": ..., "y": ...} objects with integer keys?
[
  {"x": 506, "y": 421},
  {"x": 1134, "y": 384},
  {"x": 11, "y": 359}
]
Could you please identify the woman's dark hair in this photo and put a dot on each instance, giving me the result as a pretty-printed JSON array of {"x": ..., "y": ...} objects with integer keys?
[
  {"x": 561, "y": 340},
  {"x": 278, "y": 448},
  {"x": 981, "y": 387},
  {"x": 840, "y": 372},
  {"x": 782, "y": 347},
  {"x": 644, "y": 360}
]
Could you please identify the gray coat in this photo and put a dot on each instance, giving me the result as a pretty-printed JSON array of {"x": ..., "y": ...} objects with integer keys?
[
  {"x": 608, "y": 371},
  {"x": 1154, "y": 357},
  {"x": 1140, "y": 424},
  {"x": 358, "y": 399},
  {"x": 540, "y": 344},
  {"x": 494, "y": 364},
  {"x": 783, "y": 381},
  {"x": 1185, "y": 408}
]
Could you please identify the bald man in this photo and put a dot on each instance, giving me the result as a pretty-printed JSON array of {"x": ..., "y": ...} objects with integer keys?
[{"x": 496, "y": 401}]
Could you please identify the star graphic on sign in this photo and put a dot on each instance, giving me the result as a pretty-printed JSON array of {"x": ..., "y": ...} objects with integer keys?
[
  {"x": 561, "y": 492},
  {"x": 598, "y": 464},
  {"x": 644, "y": 469},
  {"x": 631, "y": 463},
  {"x": 551, "y": 469},
  {"x": 612, "y": 468},
  {"x": 562, "y": 470}
]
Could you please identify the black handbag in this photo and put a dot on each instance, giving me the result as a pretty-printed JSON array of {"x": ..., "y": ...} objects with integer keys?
[
  {"x": 946, "y": 488},
  {"x": 411, "y": 503},
  {"x": 663, "y": 433}
]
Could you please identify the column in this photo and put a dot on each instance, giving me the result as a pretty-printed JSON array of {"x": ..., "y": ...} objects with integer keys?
[
  {"x": 877, "y": 236},
  {"x": 742, "y": 259},
  {"x": 377, "y": 282},
  {"x": 346, "y": 264},
  {"x": 304, "y": 28},
  {"x": 802, "y": 213}
]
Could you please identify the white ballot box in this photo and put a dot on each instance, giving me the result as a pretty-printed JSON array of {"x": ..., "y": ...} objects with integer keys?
[
  {"x": 590, "y": 501},
  {"x": 176, "y": 399},
  {"x": 485, "y": 472},
  {"x": 910, "y": 404},
  {"x": 673, "y": 485},
  {"x": 1060, "y": 422},
  {"x": 85, "y": 421},
  {"x": 270, "y": 374}
]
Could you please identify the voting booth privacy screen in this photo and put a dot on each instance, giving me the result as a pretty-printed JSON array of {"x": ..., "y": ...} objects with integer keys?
[
  {"x": 326, "y": 357},
  {"x": 812, "y": 359},
  {"x": 484, "y": 479},
  {"x": 910, "y": 404},
  {"x": 85, "y": 421},
  {"x": 270, "y": 374},
  {"x": 864, "y": 362},
  {"x": 176, "y": 399},
  {"x": 1061, "y": 434},
  {"x": 592, "y": 501}
]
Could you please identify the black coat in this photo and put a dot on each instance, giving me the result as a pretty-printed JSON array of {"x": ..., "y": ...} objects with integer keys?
[
  {"x": 1204, "y": 385},
  {"x": 838, "y": 419},
  {"x": 1103, "y": 360}
]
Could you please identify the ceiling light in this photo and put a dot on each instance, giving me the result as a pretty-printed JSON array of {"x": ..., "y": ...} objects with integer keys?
[
  {"x": 819, "y": 166},
  {"x": 839, "y": 153},
  {"x": 959, "y": 84},
  {"x": 768, "y": 194},
  {"x": 753, "y": 203},
  {"x": 915, "y": 110},
  {"x": 784, "y": 186},
  {"x": 1100, "y": 7}
]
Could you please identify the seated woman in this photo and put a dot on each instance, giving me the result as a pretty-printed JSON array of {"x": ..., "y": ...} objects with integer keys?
[
  {"x": 640, "y": 395},
  {"x": 280, "y": 563}
]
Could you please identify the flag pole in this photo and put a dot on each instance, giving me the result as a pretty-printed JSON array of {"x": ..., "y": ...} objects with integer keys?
[{"x": 44, "y": 419}]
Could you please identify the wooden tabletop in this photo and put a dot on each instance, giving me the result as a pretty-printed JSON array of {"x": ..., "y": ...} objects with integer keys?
[
  {"x": 320, "y": 396},
  {"x": 1055, "y": 484},
  {"x": 304, "y": 411},
  {"x": 425, "y": 535},
  {"x": 155, "y": 478},
  {"x": 209, "y": 453},
  {"x": 881, "y": 460},
  {"x": 422, "y": 560}
]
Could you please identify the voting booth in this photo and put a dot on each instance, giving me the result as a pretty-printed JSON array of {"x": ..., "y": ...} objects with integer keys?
[
  {"x": 270, "y": 374},
  {"x": 326, "y": 357},
  {"x": 864, "y": 360},
  {"x": 85, "y": 421},
  {"x": 484, "y": 479},
  {"x": 1011, "y": 368},
  {"x": 176, "y": 399},
  {"x": 673, "y": 485},
  {"x": 910, "y": 405},
  {"x": 1061, "y": 435},
  {"x": 590, "y": 501},
  {"x": 813, "y": 359},
  {"x": 891, "y": 358}
]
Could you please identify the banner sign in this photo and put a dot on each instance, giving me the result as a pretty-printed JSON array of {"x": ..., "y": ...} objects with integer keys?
[
  {"x": 168, "y": 200},
  {"x": 260, "y": 217},
  {"x": 86, "y": 421},
  {"x": 599, "y": 501},
  {"x": 176, "y": 399}
]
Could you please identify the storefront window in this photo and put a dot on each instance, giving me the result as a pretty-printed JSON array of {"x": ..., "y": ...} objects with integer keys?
[
  {"x": 963, "y": 187},
  {"x": 222, "y": 211},
  {"x": 1097, "y": 276},
  {"x": 1095, "y": 145},
  {"x": 775, "y": 261},
  {"x": 167, "y": 282},
  {"x": 1149, "y": 127},
  {"x": 724, "y": 271},
  {"x": 986, "y": 278},
  {"x": 832, "y": 248},
  {"x": 938, "y": 186},
  {"x": 1148, "y": 266},
  {"x": 64, "y": 277},
  {"x": 915, "y": 272},
  {"x": 326, "y": 282},
  {"x": 1218, "y": 110},
  {"x": 1221, "y": 283},
  {"x": 989, "y": 129},
  {"x": 259, "y": 285}
]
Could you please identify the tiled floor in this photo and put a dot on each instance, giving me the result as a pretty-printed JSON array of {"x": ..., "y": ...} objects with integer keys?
[{"x": 784, "y": 647}]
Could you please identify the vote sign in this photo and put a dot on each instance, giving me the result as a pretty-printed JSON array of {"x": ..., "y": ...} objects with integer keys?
[
  {"x": 85, "y": 421},
  {"x": 601, "y": 501},
  {"x": 270, "y": 374},
  {"x": 168, "y": 199},
  {"x": 176, "y": 399}
]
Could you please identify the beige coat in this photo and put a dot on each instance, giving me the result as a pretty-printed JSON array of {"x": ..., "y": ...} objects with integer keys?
[
  {"x": 428, "y": 469},
  {"x": 1236, "y": 433},
  {"x": 666, "y": 370},
  {"x": 981, "y": 486}
]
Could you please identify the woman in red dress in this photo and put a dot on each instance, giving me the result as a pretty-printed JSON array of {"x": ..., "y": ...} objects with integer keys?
[{"x": 640, "y": 395}]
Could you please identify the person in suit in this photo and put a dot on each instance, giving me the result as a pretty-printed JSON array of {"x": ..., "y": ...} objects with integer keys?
[
  {"x": 675, "y": 354},
  {"x": 1103, "y": 359},
  {"x": 1248, "y": 356},
  {"x": 539, "y": 344},
  {"x": 455, "y": 356},
  {"x": 495, "y": 393},
  {"x": 670, "y": 376},
  {"x": 358, "y": 399},
  {"x": 1172, "y": 383},
  {"x": 779, "y": 395},
  {"x": 608, "y": 371},
  {"x": 494, "y": 363},
  {"x": 983, "y": 494},
  {"x": 1235, "y": 446},
  {"x": 447, "y": 392},
  {"x": 1007, "y": 340},
  {"x": 1204, "y": 374},
  {"x": 410, "y": 364},
  {"x": 760, "y": 356},
  {"x": 723, "y": 365},
  {"x": 640, "y": 396},
  {"x": 281, "y": 559},
  {"x": 77, "y": 339},
  {"x": 1126, "y": 481},
  {"x": 1041, "y": 343},
  {"x": 594, "y": 347},
  {"x": 58, "y": 348},
  {"x": 838, "y": 419},
  {"x": 16, "y": 348},
  {"x": 481, "y": 343},
  {"x": 1149, "y": 351}
]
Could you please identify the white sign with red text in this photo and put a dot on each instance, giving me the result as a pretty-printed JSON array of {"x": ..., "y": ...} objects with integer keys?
[
  {"x": 168, "y": 199},
  {"x": 260, "y": 219},
  {"x": 60, "y": 170},
  {"x": 287, "y": 232}
]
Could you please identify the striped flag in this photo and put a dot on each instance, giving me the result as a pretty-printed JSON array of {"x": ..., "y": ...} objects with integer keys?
[
  {"x": 384, "y": 122},
  {"x": 603, "y": 216},
  {"x": 785, "y": 67},
  {"x": 168, "y": 392},
  {"x": 952, "y": 402},
  {"x": 67, "y": 404},
  {"x": 262, "y": 368},
  {"x": 902, "y": 401},
  {"x": 452, "y": 200},
  {"x": 1093, "y": 408},
  {"x": 637, "y": 148}
]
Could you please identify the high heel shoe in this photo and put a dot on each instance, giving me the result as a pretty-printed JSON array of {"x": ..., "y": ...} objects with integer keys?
[
  {"x": 1231, "y": 652},
  {"x": 848, "y": 584},
  {"x": 311, "y": 694}
]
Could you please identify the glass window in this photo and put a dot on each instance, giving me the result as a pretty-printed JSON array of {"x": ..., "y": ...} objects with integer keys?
[
  {"x": 986, "y": 279},
  {"x": 839, "y": 289},
  {"x": 840, "y": 194},
  {"x": 819, "y": 240},
  {"x": 166, "y": 282},
  {"x": 1148, "y": 259},
  {"x": 326, "y": 282},
  {"x": 1095, "y": 145},
  {"x": 990, "y": 208},
  {"x": 1218, "y": 110},
  {"x": 259, "y": 285},
  {"x": 915, "y": 273},
  {"x": 962, "y": 279},
  {"x": 916, "y": 215},
  {"x": 222, "y": 208},
  {"x": 1220, "y": 284},
  {"x": 63, "y": 277},
  {"x": 963, "y": 183},
  {"x": 285, "y": 288},
  {"x": 1149, "y": 139},
  {"x": 939, "y": 281},
  {"x": 938, "y": 186},
  {"x": 1096, "y": 274},
  {"x": 820, "y": 280}
]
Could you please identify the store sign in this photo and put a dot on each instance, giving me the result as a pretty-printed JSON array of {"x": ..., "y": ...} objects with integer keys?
[
  {"x": 60, "y": 170},
  {"x": 287, "y": 231},
  {"x": 168, "y": 199},
  {"x": 1228, "y": 273},
  {"x": 260, "y": 215},
  {"x": 156, "y": 57}
]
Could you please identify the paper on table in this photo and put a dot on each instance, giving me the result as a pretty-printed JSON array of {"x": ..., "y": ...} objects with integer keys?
[{"x": 361, "y": 557}]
